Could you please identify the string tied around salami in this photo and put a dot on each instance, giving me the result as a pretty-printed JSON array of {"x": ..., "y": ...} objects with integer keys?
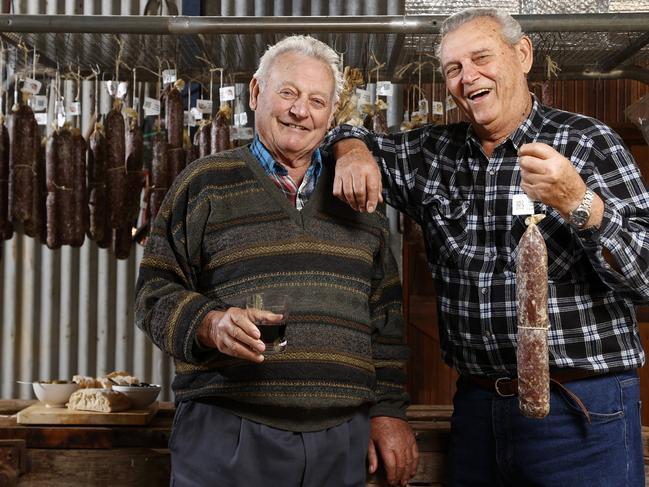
[{"x": 532, "y": 354}]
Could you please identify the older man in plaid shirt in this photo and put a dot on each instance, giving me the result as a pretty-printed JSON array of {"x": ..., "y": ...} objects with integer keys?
[{"x": 460, "y": 183}]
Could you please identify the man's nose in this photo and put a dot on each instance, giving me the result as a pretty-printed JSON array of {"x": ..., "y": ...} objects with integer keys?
[
  {"x": 299, "y": 108},
  {"x": 469, "y": 73}
]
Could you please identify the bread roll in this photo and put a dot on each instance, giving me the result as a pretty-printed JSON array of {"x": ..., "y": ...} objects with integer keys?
[
  {"x": 85, "y": 382},
  {"x": 123, "y": 378},
  {"x": 100, "y": 400}
]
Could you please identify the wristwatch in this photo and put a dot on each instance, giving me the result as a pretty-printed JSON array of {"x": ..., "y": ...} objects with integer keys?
[{"x": 580, "y": 215}]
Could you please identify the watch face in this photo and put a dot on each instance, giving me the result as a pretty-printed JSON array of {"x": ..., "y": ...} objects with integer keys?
[{"x": 579, "y": 217}]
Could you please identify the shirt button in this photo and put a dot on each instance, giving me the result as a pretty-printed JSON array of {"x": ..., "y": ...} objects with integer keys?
[
  {"x": 492, "y": 172},
  {"x": 489, "y": 212},
  {"x": 483, "y": 290}
]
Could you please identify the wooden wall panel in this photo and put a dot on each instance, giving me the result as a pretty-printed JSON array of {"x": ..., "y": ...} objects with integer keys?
[{"x": 430, "y": 381}]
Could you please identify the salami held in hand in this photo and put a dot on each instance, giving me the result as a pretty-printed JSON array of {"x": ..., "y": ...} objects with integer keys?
[{"x": 532, "y": 297}]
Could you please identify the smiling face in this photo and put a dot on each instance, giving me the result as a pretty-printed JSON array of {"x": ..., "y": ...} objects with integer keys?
[
  {"x": 487, "y": 77},
  {"x": 294, "y": 107}
]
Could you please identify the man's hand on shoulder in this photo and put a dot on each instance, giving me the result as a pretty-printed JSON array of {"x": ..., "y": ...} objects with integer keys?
[
  {"x": 395, "y": 442},
  {"x": 358, "y": 178}
]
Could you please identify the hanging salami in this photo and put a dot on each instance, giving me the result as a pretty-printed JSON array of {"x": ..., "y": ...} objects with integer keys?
[
  {"x": 79, "y": 192},
  {"x": 99, "y": 230},
  {"x": 159, "y": 174},
  {"x": 532, "y": 298},
  {"x": 116, "y": 166},
  {"x": 220, "y": 135},
  {"x": 202, "y": 138},
  {"x": 134, "y": 164},
  {"x": 6, "y": 228},
  {"x": 174, "y": 114},
  {"x": 40, "y": 194},
  {"x": 60, "y": 180},
  {"x": 24, "y": 140}
]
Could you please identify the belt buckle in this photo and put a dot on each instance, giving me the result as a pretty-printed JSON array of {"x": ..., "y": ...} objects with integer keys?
[{"x": 496, "y": 384}]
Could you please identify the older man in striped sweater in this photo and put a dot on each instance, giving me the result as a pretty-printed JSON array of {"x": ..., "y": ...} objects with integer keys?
[{"x": 263, "y": 218}]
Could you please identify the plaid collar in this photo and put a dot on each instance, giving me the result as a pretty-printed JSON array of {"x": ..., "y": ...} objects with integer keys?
[{"x": 272, "y": 167}]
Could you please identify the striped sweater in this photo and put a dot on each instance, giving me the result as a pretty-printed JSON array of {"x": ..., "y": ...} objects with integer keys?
[{"x": 225, "y": 231}]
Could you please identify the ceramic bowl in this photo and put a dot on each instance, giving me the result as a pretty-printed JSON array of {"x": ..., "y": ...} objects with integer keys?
[
  {"x": 54, "y": 394},
  {"x": 141, "y": 395}
]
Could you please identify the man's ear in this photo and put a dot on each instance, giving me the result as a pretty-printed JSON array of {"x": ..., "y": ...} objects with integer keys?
[
  {"x": 525, "y": 53},
  {"x": 253, "y": 89}
]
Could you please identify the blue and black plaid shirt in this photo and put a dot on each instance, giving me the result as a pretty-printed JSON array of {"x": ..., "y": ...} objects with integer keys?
[{"x": 440, "y": 176}]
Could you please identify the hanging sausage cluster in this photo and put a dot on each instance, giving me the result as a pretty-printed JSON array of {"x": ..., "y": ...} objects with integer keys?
[{"x": 62, "y": 189}]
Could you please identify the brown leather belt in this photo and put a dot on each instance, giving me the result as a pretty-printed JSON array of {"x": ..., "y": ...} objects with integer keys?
[{"x": 508, "y": 386}]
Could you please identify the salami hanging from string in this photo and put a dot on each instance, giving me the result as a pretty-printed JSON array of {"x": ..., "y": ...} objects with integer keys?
[{"x": 532, "y": 299}]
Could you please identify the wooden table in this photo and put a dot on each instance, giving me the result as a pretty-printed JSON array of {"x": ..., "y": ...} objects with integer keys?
[
  {"x": 89, "y": 456},
  {"x": 128, "y": 456}
]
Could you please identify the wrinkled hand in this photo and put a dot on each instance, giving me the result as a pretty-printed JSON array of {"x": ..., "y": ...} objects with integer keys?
[
  {"x": 358, "y": 178},
  {"x": 233, "y": 332},
  {"x": 550, "y": 178},
  {"x": 395, "y": 441}
]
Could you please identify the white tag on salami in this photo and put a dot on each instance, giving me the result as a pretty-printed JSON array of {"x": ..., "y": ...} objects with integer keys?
[
  {"x": 423, "y": 106},
  {"x": 122, "y": 88},
  {"x": 111, "y": 86},
  {"x": 39, "y": 103},
  {"x": 188, "y": 119},
  {"x": 243, "y": 118},
  {"x": 196, "y": 113},
  {"x": 151, "y": 106},
  {"x": 226, "y": 93},
  {"x": 450, "y": 103},
  {"x": 74, "y": 108},
  {"x": 41, "y": 118},
  {"x": 31, "y": 86},
  {"x": 384, "y": 88},
  {"x": 205, "y": 106},
  {"x": 522, "y": 205},
  {"x": 364, "y": 98},
  {"x": 438, "y": 108},
  {"x": 168, "y": 76}
]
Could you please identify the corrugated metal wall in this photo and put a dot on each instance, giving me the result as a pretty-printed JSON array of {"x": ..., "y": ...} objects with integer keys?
[{"x": 70, "y": 311}]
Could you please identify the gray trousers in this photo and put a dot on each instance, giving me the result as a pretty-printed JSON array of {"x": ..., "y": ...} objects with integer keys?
[{"x": 211, "y": 447}]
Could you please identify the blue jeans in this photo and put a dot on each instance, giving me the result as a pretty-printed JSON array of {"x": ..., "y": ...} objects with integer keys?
[{"x": 493, "y": 445}]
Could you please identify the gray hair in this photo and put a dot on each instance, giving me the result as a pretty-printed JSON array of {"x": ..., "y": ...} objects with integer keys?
[
  {"x": 510, "y": 28},
  {"x": 306, "y": 46}
]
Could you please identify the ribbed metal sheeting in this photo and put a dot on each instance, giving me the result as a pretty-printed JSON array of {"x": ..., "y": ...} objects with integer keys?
[
  {"x": 70, "y": 311},
  {"x": 85, "y": 7}
]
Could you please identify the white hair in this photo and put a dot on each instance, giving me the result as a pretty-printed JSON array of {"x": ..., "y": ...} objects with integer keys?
[
  {"x": 306, "y": 46},
  {"x": 510, "y": 29}
]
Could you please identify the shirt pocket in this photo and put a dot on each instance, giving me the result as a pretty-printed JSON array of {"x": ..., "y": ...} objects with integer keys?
[
  {"x": 446, "y": 228},
  {"x": 562, "y": 249}
]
